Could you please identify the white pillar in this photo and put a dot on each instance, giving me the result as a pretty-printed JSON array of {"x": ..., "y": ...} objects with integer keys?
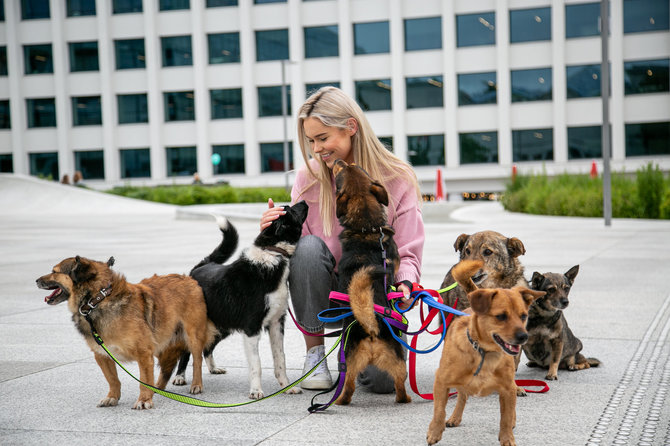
[
  {"x": 252, "y": 152},
  {"x": 503, "y": 83},
  {"x": 154, "y": 93},
  {"x": 63, "y": 99},
  {"x": 346, "y": 40},
  {"x": 396, "y": 28},
  {"x": 559, "y": 93},
  {"x": 450, "y": 85},
  {"x": 200, "y": 91},
  {"x": 17, "y": 101},
  {"x": 617, "y": 82},
  {"x": 107, "y": 97}
]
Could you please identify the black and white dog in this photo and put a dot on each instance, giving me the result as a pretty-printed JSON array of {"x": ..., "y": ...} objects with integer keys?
[{"x": 250, "y": 294}]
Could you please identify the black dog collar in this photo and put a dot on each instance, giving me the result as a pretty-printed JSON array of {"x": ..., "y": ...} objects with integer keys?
[
  {"x": 478, "y": 349},
  {"x": 93, "y": 302}
]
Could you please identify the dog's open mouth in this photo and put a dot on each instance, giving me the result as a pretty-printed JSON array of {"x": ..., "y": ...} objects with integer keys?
[
  {"x": 58, "y": 293},
  {"x": 510, "y": 349},
  {"x": 479, "y": 277}
]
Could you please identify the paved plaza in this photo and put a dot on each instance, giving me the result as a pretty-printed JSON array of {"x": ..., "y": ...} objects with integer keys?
[{"x": 50, "y": 383}]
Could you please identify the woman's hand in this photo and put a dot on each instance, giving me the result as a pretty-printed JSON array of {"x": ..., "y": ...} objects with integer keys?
[
  {"x": 271, "y": 214},
  {"x": 405, "y": 301}
]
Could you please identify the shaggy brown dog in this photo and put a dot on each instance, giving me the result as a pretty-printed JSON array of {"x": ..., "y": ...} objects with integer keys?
[
  {"x": 161, "y": 316},
  {"x": 363, "y": 274},
  {"x": 477, "y": 357},
  {"x": 501, "y": 267},
  {"x": 551, "y": 343}
]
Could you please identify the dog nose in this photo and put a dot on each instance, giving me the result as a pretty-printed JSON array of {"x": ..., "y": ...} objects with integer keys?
[
  {"x": 521, "y": 337},
  {"x": 564, "y": 302}
]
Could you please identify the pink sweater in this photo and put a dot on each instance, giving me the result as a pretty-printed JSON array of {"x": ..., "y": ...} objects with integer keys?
[{"x": 404, "y": 216}]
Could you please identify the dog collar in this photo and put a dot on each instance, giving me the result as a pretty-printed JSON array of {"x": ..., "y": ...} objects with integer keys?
[
  {"x": 478, "y": 349},
  {"x": 277, "y": 249},
  {"x": 94, "y": 301}
]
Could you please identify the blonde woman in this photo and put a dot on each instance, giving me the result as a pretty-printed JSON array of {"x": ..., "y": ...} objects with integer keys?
[{"x": 331, "y": 125}]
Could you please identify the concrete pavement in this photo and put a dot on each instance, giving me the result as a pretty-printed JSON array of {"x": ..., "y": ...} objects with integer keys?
[{"x": 50, "y": 383}]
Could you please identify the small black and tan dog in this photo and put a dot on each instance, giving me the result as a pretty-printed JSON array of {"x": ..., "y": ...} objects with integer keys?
[
  {"x": 363, "y": 273},
  {"x": 551, "y": 343}
]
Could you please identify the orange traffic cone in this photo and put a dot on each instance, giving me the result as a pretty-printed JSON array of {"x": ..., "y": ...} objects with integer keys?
[
  {"x": 594, "y": 170},
  {"x": 439, "y": 193},
  {"x": 514, "y": 172}
]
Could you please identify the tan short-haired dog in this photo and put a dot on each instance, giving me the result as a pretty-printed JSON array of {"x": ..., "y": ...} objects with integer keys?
[
  {"x": 478, "y": 353},
  {"x": 161, "y": 316}
]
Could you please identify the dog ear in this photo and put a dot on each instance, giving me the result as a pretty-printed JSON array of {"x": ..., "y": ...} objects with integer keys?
[
  {"x": 460, "y": 242},
  {"x": 480, "y": 300},
  {"x": 110, "y": 262},
  {"x": 81, "y": 271},
  {"x": 572, "y": 273},
  {"x": 536, "y": 281},
  {"x": 529, "y": 296},
  {"x": 380, "y": 193},
  {"x": 515, "y": 247}
]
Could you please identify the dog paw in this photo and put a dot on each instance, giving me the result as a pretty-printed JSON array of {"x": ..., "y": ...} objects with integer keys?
[
  {"x": 402, "y": 399},
  {"x": 256, "y": 394},
  {"x": 452, "y": 422},
  {"x": 218, "y": 371},
  {"x": 108, "y": 402},
  {"x": 551, "y": 377},
  {"x": 433, "y": 436},
  {"x": 196, "y": 390},
  {"x": 179, "y": 380},
  {"x": 343, "y": 401},
  {"x": 294, "y": 390},
  {"x": 141, "y": 405},
  {"x": 520, "y": 391}
]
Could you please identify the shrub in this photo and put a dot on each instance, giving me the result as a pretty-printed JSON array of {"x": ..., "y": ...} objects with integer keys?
[
  {"x": 200, "y": 194},
  {"x": 650, "y": 190}
]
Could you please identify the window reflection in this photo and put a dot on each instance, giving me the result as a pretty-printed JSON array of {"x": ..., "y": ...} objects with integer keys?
[
  {"x": 582, "y": 20},
  {"x": 528, "y": 25},
  {"x": 423, "y": 34},
  {"x": 476, "y": 29},
  {"x": 181, "y": 161},
  {"x": 479, "y": 147},
  {"x": 321, "y": 41},
  {"x": 426, "y": 150},
  {"x": 532, "y": 145},
  {"x": 646, "y": 76},
  {"x": 371, "y": 38},
  {"x": 374, "y": 94},
  {"x": 531, "y": 85},
  {"x": 135, "y": 163},
  {"x": 477, "y": 88},
  {"x": 645, "y": 15}
]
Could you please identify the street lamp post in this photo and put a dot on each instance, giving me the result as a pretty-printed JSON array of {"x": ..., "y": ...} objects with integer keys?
[{"x": 604, "y": 91}]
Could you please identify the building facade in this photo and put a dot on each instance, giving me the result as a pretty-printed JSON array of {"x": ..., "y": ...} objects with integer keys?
[{"x": 151, "y": 91}]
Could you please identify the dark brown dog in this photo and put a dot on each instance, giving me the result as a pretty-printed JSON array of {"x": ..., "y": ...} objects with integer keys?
[
  {"x": 501, "y": 267},
  {"x": 363, "y": 273},
  {"x": 161, "y": 316},
  {"x": 477, "y": 357},
  {"x": 551, "y": 343}
]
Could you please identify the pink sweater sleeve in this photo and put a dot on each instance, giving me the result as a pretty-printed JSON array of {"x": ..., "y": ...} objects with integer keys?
[{"x": 407, "y": 220}]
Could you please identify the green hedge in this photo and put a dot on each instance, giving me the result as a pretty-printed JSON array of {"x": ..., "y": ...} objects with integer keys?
[
  {"x": 184, "y": 195},
  {"x": 646, "y": 195}
]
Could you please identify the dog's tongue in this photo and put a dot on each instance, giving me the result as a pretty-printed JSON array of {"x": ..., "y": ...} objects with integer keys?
[
  {"x": 513, "y": 348},
  {"x": 54, "y": 294}
]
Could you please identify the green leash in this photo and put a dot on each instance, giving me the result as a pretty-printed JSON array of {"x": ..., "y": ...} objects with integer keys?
[{"x": 198, "y": 402}]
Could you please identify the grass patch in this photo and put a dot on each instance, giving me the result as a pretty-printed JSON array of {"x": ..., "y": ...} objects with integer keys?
[
  {"x": 185, "y": 195},
  {"x": 647, "y": 195}
]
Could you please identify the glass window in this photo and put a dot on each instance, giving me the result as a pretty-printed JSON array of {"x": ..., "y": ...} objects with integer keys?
[
  {"x": 527, "y": 25},
  {"x": 531, "y": 85},
  {"x": 313, "y": 88},
  {"x": 135, "y": 163},
  {"x": 387, "y": 141},
  {"x": 374, "y": 94},
  {"x": 648, "y": 139},
  {"x": 83, "y": 56},
  {"x": 3, "y": 61},
  {"x": 6, "y": 163},
  {"x": 2, "y": 11},
  {"x": 226, "y": 104},
  {"x": 91, "y": 164},
  {"x": 35, "y": 9},
  {"x": 126, "y": 6},
  {"x": 215, "y": 3},
  {"x": 224, "y": 47},
  {"x": 423, "y": 34},
  {"x": 477, "y": 88},
  {"x": 645, "y": 15},
  {"x": 646, "y": 76},
  {"x": 132, "y": 108},
  {"x": 38, "y": 59},
  {"x": 532, "y": 145},
  {"x": 476, "y": 29},
  {"x": 179, "y": 106},
  {"x": 583, "y": 81},
  {"x": 479, "y": 148},
  {"x": 424, "y": 92},
  {"x": 41, "y": 112},
  {"x": 171, "y": 5},
  {"x": 269, "y": 101},
  {"x": 86, "y": 110},
  {"x": 232, "y": 158},
  {"x": 260, "y": 2},
  {"x": 176, "y": 51},
  {"x": 5, "y": 117},
  {"x": 585, "y": 142},
  {"x": 272, "y": 157},
  {"x": 371, "y": 38},
  {"x": 181, "y": 161},
  {"x": 272, "y": 45},
  {"x": 426, "y": 150},
  {"x": 44, "y": 165},
  {"x": 321, "y": 41},
  {"x": 76, "y": 8},
  {"x": 129, "y": 54},
  {"x": 582, "y": 20}
]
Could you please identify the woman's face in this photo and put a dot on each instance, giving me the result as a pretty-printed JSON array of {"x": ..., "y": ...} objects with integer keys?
[{"x": 330, "y": 143}]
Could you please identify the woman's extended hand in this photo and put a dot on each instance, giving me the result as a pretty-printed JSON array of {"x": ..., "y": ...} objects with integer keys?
[
  {"x": 405, "y": 301},
  {"x": 271, "y": 214}
]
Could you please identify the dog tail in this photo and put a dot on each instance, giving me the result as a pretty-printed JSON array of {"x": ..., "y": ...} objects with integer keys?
[
  {"x": 227, "y": 246},
  {"x": 463, "y": 272},
  {"x": 593, "y": 362},
  {"x": 362, "y": 299}
]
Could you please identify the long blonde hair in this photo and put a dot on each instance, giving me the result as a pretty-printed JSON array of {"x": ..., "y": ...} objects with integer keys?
[{"x": 334, "y": 108}]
